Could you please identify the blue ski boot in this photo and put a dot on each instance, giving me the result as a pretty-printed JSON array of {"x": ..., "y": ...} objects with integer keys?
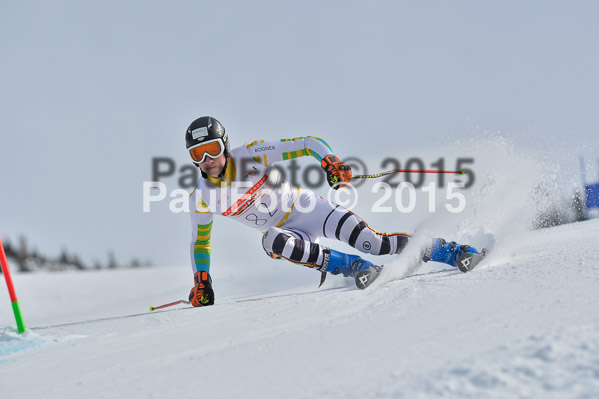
[
  {"x": 350, "y": 266},
  {"x": 464, "y": 257}
]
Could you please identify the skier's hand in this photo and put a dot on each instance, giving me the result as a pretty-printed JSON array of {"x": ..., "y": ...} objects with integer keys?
[
  {"x": 338, "y": 173},
  {"x": 202, "y": 294}
]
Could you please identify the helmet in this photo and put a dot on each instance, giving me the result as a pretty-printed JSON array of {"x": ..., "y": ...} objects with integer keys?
[{"x": 206, "y": 129}]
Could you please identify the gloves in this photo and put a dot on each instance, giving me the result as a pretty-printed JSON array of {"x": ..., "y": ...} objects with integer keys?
[
  {"x": 337, "y": 171},
  {"x": 202, "y": 294}
]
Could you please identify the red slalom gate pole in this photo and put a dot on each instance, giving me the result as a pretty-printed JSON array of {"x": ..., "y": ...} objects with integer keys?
[
  {"x": 455, "y": 172},
  {"x": 153, "y": 308},
  {"x": 11, "y": 290}
]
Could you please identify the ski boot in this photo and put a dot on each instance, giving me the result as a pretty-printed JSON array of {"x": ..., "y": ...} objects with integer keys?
[
  {"x": 363, "y": 271},
  {"x": 464, "y": 257}
]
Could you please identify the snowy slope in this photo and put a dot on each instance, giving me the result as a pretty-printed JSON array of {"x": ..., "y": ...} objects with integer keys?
[{"x": 523, "y": 324}]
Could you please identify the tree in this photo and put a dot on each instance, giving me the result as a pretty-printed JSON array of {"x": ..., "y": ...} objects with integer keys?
[
  {"x": 22, "y": 255},
  {"x": 64, "y": 259},
  {"x": 112, "y": 264},
  {"x": 76, "y": 261}
]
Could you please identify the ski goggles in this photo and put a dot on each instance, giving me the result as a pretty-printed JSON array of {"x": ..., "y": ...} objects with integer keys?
[{"x": 212, "y": 148}]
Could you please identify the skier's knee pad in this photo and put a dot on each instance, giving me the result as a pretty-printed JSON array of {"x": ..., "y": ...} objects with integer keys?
[{"x": 375, "y": 243}]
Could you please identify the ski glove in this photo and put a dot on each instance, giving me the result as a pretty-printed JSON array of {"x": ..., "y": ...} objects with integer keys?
[
  {"x": 202, "y": 294},
  {"x": 338, "y": 173}
]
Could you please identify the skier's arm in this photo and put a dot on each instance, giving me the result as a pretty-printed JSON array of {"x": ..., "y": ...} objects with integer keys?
[
  {"x": 202, "y": 293},
  {"x": 268, "y": 152},
  {"x": 271, "y": 151},
  {"x": 201, "y": 227}
]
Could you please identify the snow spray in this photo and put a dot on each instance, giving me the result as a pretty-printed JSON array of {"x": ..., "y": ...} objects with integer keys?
[{"x": 11, "y": 290}]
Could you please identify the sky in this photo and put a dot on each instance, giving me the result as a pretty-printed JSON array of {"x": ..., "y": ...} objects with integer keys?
[{"x": 91, "y": 92}]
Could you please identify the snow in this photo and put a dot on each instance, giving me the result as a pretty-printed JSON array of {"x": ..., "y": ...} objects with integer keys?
[{"x": 523, "y": 324}]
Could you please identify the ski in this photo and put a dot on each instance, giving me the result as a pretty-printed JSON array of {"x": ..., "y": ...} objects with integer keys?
[
  {"x": 467, "y": 261},
  {"x": 366, "y": 277}
]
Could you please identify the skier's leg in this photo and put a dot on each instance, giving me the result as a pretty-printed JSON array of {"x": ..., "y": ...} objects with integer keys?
[
  {"x": 297, "y": 247},
  {"x": 327, "y": 219},
  {"x": 297, "y": 239},
  {"x": 346, "y": 226},
  {"x": 293, "y": 245}
]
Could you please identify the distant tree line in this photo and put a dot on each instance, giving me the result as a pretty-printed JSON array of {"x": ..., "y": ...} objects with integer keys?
[{"x": 28, "y": 260}]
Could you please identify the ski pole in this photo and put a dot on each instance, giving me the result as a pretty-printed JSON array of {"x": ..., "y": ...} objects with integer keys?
[
  {"x": 153, "y": 308},
  {"x": 456, "y": 172},
  {"x": 11, "y": 290}
]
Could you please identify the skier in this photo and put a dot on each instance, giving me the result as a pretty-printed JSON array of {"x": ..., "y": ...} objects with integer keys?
[{"x": 242, "y": 184}]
